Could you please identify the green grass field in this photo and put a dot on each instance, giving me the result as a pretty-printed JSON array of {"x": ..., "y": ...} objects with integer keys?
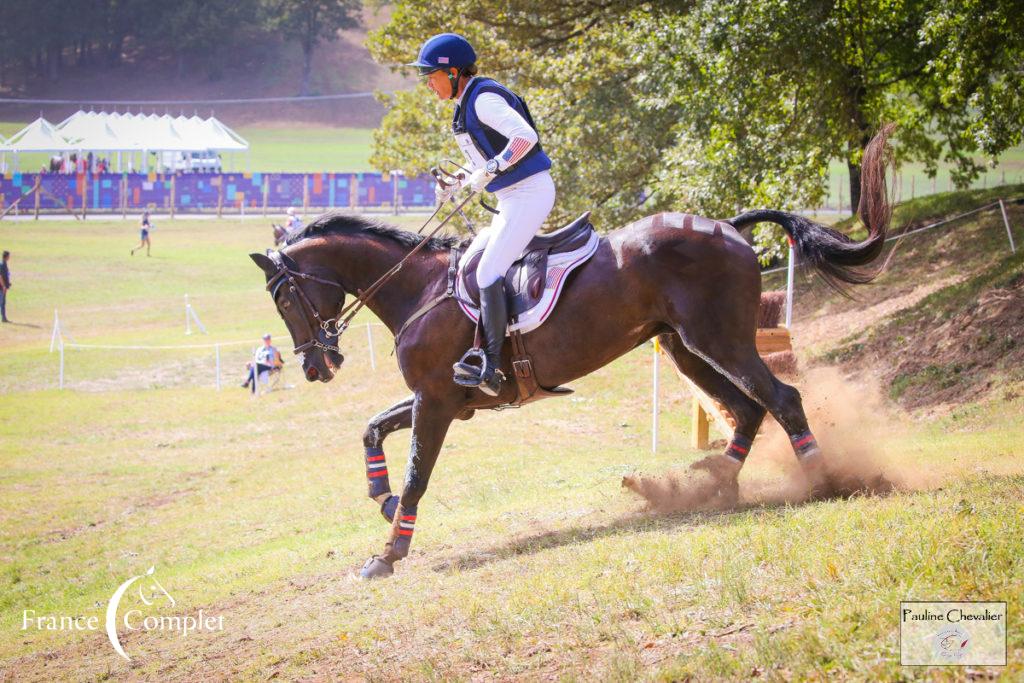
[{"x": 530, "y": 561}]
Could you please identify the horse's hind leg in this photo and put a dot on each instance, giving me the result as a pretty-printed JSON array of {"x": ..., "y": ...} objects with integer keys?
[
  {"x": 728, "y": 346},
  {"x": 747, "y": 412}
]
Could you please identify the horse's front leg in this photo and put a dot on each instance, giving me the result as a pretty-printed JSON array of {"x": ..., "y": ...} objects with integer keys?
[
  {"x": 430, "y": 422},
  {"x": 398, "y": 416}
]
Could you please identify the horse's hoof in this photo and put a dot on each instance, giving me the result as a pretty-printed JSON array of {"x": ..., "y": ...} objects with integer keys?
[{"x": 377, "y": 568}]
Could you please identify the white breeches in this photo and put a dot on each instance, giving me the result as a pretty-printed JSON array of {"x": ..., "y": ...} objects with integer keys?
[{"x": 524, "y": 207}]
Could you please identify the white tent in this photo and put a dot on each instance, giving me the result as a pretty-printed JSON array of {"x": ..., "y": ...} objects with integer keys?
[{"x": 39, "y": 136}]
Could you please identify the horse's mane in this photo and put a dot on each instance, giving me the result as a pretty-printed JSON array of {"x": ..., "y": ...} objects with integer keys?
[{"x": 342, "y": 223}]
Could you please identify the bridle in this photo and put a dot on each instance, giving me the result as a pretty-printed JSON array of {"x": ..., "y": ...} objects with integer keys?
[
  {"x": 287, "y": 276},
  {"x": 339, "y": 323}
]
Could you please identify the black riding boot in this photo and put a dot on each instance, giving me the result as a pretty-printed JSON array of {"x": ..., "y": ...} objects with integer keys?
[
  {"x": 494, "y": 318},
  {"x": 494, "y": 312}
]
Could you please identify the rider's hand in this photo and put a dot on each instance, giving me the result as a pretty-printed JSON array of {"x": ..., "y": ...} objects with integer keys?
[{"x": 478, "y": 181}]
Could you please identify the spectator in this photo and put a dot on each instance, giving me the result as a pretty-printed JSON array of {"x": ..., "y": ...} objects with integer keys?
[
  {"x": 144, "y": 235},
  {"x": 268, "y": 359},
  {"x": 5, "y": 284},
  {"x": 294, "y": 221}
]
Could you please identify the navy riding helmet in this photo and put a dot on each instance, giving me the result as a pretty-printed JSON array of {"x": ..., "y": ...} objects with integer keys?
[{"x": 444, "y": 51}]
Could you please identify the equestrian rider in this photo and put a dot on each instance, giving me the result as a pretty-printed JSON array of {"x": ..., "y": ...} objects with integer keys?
[{"x": 495, "y": 131}]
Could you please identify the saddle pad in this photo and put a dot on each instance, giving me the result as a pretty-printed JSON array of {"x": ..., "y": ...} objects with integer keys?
[{"x": 558, "y": 268}]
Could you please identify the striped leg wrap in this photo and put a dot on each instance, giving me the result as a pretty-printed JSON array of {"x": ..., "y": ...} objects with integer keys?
[
  {"x": 377, "y": 472},
  {"x": 738, "y": 448},
  {"x": 805, "y": 445},
  {"x": 406, "y": 525},
  {"x": 389, "y": 507}
]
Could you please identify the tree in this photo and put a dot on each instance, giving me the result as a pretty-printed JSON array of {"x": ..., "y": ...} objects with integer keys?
[
  {"x": 715, "y": 105},
  {"x": 311, "y": 22}
]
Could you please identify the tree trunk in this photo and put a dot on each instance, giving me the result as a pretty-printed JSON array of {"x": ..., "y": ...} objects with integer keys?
[
  {"x": 53, "y": 61},
  {"x": 307, "y": 66},
  {"x": 854, "y": 170}
]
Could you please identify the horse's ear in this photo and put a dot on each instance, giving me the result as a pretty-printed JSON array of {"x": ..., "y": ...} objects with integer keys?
[{"x": 264, "y": 262}]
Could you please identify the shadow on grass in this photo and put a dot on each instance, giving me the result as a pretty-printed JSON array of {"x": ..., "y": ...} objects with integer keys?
[{"x": 641, "y": 521}]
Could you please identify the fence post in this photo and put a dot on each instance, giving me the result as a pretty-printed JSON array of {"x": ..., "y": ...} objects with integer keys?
[
  {"x": 173, "y": 187},
  {"x": 220, "y": 195},
  {"x": 85, "y": 189},
  {"x": 188, "y": 318},
  {"x": 266, "y": 190},
  {"x": 369, "y": 343},
  {"x": 1009, "y": 233},
  {"x": 789, "y": 285},
  {"x": 305, "y": 194},
  {"x": 39, "y": 182},
  {"x": 654, "y": 408},
  {"x": 124, "y": 196}
]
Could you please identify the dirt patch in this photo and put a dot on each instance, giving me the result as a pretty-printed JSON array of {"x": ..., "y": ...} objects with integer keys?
[{"x": 948, "y": 354}]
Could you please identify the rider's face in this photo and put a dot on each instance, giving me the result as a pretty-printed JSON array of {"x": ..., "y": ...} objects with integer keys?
[{"x": 438, "y": 82}]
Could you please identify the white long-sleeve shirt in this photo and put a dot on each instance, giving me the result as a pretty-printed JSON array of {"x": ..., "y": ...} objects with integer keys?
[{"x": 494, "y": 112}]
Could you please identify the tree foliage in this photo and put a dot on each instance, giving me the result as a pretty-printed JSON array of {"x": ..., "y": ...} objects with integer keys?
[
  {"x": 39, "y": 38},
  {"x": 716, "y": 105}
]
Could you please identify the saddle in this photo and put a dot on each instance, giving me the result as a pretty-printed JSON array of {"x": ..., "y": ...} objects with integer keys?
[
  {"x": 535, "y": 280},
  {"x": 532, "y": 286}
]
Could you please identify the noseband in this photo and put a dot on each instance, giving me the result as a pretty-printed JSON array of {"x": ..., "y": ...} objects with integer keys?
[{"x": 287, "y": 276}]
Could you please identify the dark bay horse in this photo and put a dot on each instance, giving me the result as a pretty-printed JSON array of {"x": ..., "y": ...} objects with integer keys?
[{"x": 692, "y": 282}]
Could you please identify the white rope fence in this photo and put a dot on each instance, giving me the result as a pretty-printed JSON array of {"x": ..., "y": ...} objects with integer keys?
[{"x": 60, "y": 340}]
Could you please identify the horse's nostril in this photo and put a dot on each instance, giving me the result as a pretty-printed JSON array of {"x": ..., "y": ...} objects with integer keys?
[{"x": 312, "y": 374}]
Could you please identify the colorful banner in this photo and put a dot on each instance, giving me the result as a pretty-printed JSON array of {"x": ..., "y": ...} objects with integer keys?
[{"x": 198, "y": 192}]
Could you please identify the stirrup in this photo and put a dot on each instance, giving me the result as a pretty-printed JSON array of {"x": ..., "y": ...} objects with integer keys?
[{"x": 470, "y": 368}]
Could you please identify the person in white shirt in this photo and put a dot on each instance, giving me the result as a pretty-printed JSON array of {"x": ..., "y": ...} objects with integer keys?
[
  {"x": 496, "y": 133},
  {"x": 267, "y": 358}
]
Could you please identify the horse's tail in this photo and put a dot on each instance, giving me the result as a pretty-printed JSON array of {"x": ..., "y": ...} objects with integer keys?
[{"x": 834, "y": 255}]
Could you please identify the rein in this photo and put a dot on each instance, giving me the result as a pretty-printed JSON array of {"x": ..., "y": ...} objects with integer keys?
[{"x": 341, "y": 321}]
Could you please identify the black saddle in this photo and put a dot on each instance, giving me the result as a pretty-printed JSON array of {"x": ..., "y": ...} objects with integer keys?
[{"x": 525, "y": 279}]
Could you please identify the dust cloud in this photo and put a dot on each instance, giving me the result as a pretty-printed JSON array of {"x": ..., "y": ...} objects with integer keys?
[{"x": 852, "y": 424}]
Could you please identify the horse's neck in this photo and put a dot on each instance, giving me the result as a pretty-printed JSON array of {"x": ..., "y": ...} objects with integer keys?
[{"x": 360, "y": 261}]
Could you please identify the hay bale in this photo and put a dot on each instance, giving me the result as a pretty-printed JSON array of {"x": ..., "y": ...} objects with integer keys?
[
  {"x": 781, "y": 363},
  {"x": 770, "y": 311}
]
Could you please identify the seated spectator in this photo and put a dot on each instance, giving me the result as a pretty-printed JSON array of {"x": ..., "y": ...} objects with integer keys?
[
  {"x": 268, "y": 359},
  {"x": 294, "y": 221}
]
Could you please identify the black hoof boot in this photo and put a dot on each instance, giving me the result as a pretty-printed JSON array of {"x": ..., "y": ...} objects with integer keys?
[{"x": 377, "y": 568}]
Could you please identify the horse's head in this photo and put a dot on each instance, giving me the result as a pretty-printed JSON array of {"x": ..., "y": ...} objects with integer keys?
[{"x": 309, "y": 303}]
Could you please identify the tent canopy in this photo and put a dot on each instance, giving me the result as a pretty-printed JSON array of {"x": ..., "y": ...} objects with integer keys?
[
  {"x": 39, "y": 136},
  {"x": 109, "y": 131}
]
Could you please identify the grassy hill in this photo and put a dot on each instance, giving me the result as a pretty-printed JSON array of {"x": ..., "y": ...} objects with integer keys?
[{"x": 530, "y": 561}]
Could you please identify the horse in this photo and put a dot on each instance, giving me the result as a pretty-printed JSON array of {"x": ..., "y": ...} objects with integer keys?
[{"x": 697, "y": 291}]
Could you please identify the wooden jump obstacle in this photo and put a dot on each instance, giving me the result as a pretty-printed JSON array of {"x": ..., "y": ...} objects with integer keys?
[{"x": 774, "y": 344}]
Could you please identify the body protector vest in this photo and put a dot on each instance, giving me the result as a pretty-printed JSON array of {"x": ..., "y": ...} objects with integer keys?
[{"x": 479, "y": 142}]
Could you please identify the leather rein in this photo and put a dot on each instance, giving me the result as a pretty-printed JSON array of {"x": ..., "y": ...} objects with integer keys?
[{"x": 340, "y": 322}]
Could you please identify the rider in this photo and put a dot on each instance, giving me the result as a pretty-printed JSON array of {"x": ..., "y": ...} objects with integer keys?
[{"x": 496, "y": 133}]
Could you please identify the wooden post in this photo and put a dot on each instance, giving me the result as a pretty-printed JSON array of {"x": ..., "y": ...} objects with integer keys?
[
  {"x": 220, "y": 196},
  {"x": 85, "y": 191},
  {"x": 266, "y": 191},
  {"x": 699, "y": 437},
  {"x": 173, "y": 187},
  {"x": 305, "y": 194},
  {"x": 124, "y": 196},
  {"x": 39, "y": 181}
]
